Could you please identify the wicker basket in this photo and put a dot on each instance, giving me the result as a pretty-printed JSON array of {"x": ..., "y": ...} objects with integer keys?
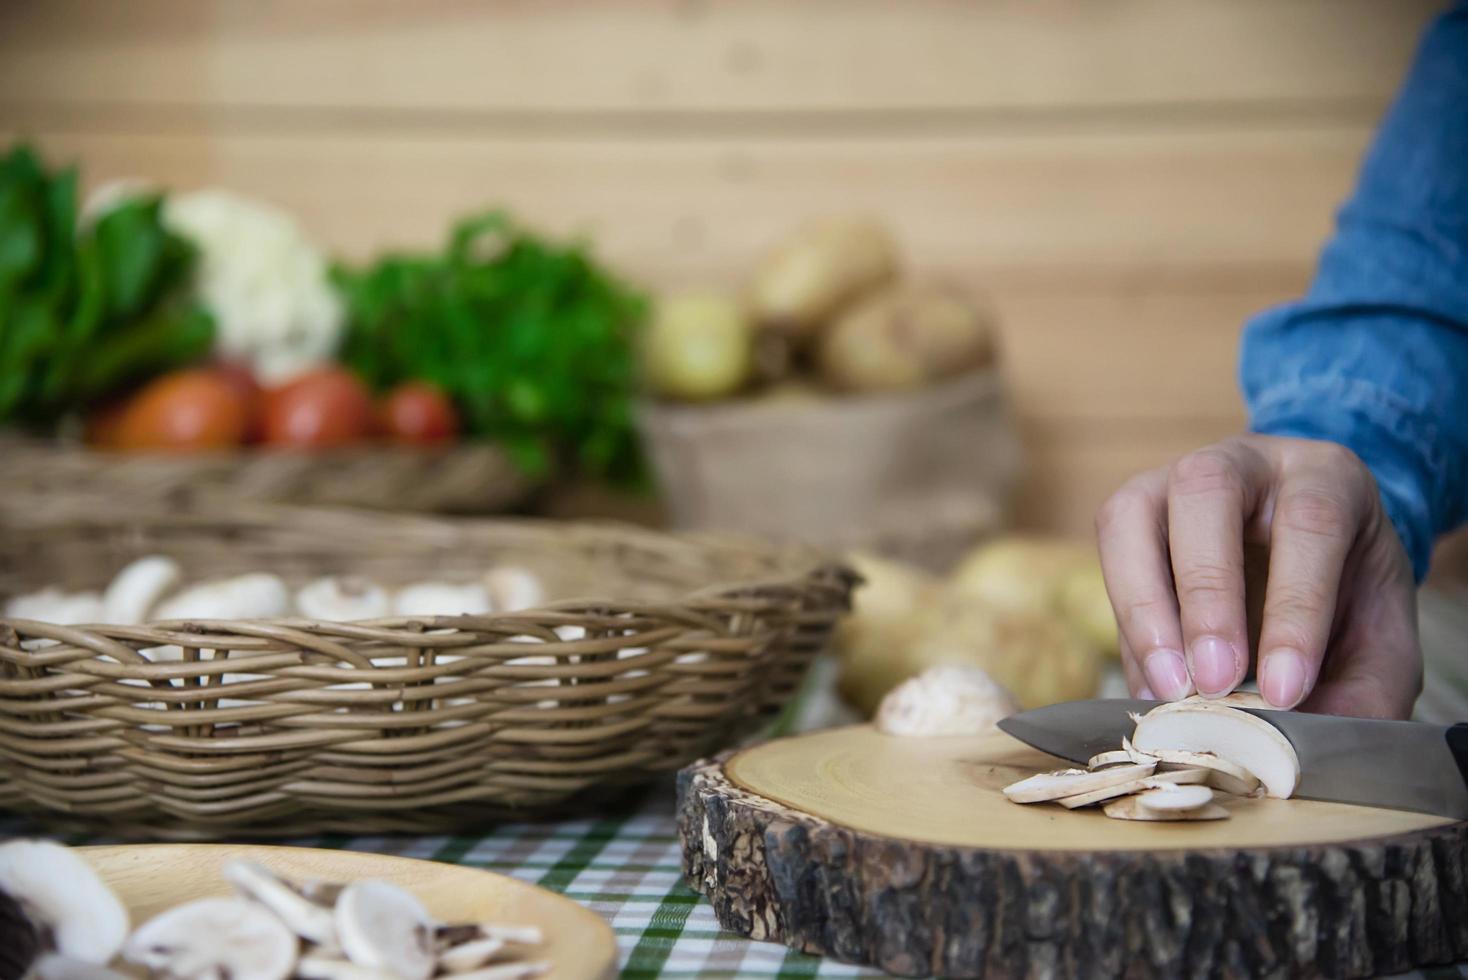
[
  {"x": 466, "y": 478},
  {"x": 921, "y": 475},
  {"x": 392, "y": 725}
]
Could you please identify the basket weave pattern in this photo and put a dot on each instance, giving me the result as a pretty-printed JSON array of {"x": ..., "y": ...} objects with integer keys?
[
  {"x": 411, "y": 725},
  {"x": 466, "y": 478}
]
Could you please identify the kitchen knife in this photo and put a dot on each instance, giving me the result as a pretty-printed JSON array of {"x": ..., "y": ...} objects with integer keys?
[{"x": 1401, "y": 765}]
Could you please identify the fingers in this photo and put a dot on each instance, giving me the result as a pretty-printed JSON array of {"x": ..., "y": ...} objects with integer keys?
[
  {"x": 1210, "y": 494},
  {"x": 1131, "y": 535},
  {"x": 1136, "y": 683},
  {"x": 1374, "y": 668},
  {"x": 1318, "y": 511}
]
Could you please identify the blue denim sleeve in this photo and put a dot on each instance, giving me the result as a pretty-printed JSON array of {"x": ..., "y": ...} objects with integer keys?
[{"x": 1375, "y": 356}]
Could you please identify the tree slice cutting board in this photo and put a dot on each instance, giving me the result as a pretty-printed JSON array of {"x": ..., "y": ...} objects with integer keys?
[{"x": 902, "y": 853}]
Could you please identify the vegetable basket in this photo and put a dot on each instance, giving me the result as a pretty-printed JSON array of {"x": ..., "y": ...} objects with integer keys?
[
  {"x": 921, "y": 474},
  {"x": 466, "y": 478},
  {"x": 664, "y": 649}
]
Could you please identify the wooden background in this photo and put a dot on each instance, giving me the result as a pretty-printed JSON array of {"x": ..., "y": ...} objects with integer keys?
[{"x": 1129, "y": 180}]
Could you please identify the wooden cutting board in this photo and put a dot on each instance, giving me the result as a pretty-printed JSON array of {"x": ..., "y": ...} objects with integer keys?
[
  {"x": 902, "y": 853},
  {"x": 152, "y": 878}
]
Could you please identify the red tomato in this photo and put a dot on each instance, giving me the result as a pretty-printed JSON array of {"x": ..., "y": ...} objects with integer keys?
[
  {"x": 418, "y": 413},
  {"x": 238, "y": 374},
  {"x": 182, "y": 411},
  {"x": 320, "y": 409}
]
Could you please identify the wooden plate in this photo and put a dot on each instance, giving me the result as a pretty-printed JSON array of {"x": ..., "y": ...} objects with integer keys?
[{"x": 150, "y": 878}]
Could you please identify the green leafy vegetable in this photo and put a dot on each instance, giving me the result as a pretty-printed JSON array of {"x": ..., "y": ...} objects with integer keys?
[
  {"x": 85, "y": 313},
  {"x": 533, "y": 341}
]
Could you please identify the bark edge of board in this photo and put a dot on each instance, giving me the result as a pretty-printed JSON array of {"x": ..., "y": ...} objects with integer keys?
[{"x": 1351, "y": 909}]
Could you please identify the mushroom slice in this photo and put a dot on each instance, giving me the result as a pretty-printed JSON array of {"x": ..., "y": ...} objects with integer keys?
[
  {"x": 309, "y": 920},
  {"x": 382, "y": 927},
  {"x": 215, "y": 938},
  {"x": 1116, "y": 757},
  {"x": 343, "y": 600},
  {"x": 321, "y": 892},
  {"x": 1128, "y": 808},
  {"x": 1072, "y": 782},
  {"x": 20, "y": 939},
  {"x": 1172, "y": 797},
  {"x": 54, "y": 966},
  {"x": 62, "y": 896},
  {"x": 1133, "y": 786},
  {"x": 469, "y": 956},
  {"x": 320, "y": 967},
  {"x": 508, "y": 971},
  {"x": 456, "y": 935},
  {"x": 1228, "y": 733},
  {"x": 136, "y": 589}
]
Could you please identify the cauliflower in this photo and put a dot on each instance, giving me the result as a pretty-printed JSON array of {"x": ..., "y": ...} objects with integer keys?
[{"x": 265, "y": 283}]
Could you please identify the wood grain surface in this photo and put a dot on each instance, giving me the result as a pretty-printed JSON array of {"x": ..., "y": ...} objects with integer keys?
[
  {"x": 947, "y": 791},
  {"x": 1128, "y": 181}
]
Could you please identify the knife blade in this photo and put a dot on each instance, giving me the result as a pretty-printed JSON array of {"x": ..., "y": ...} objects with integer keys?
[{"x": 1401, "y": 765}]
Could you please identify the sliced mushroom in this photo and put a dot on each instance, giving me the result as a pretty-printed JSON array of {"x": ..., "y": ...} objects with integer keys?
[
  {"x": 255, "y": 596},
  {"x": 442, "y": 599},
  {"x": 1223, "y": 776},
  {"x": 54, "y": 966},
  {"x": 1170, "y": 797},
  {"x": 1116, "y": 757},
  {"x": 1228, "y": 733},
  {"x": 382, "y": 927},
  {"x": 1128, "y": 808},
  {"x": 343, "y": 599},
  {"x": 457, "y": 934},
  {"x": 512, "y": 589},
  {"x": 310, "y": 920},
  {"x": 318, "y": 966},
  {"x": 1072, "y": 782},
  {"x": 1134, "y": 786},
  {"x": 20, "y": 939},
  {"x": 215, "y": 939},
  {"x": 139, "y": 587},
  {"x": 470, "y": 955},
  {"x": 321, "y": 892},
  {"x": 63, "y": 897}
]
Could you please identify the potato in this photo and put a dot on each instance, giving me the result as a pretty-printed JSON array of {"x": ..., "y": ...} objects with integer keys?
[
  {"x": 1086, "y": 606},
  {"x": 1018, "y": 572},
  {"x": 807, "y": 278},
  {"x": 905, "y": 337},
  {"x": 1038, "y": 658},
  {"x": 697, "y": 346}
]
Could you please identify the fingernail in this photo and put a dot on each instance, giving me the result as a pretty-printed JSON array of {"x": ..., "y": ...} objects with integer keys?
[
  {"x": 1213, "y": 665},
  {"x": 1282, "y": 678},
  {"x": 1167, "y": 674}
]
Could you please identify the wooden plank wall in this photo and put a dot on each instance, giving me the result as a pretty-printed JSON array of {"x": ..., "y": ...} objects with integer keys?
[{"x": 1129, "y": 180}]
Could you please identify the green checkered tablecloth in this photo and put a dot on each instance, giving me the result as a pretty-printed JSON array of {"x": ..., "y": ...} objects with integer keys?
[{"x": 626, "y": 867}]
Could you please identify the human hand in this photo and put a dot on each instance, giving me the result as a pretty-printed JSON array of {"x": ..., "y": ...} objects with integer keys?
[{"x": 1339, "y": 626}]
